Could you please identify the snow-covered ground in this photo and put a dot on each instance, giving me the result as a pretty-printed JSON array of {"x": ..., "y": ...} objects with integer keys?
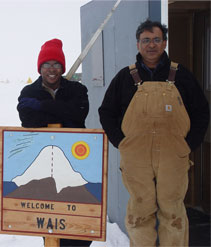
[{"x": 9, "y": 92}]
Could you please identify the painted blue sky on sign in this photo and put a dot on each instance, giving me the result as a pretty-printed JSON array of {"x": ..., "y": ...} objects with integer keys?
[{"x": 21, "y": 148}]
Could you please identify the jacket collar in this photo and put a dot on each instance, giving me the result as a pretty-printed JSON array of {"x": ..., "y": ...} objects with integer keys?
[
  {"x": 40, "y": 84},
  {"x": 163, "y": 60}
]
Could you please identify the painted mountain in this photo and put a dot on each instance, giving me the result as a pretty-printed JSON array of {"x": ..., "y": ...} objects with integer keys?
[{"x": 51, "y": 177}]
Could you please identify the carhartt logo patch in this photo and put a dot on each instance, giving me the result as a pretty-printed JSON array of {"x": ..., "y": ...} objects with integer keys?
[{"x": 168, "y": 107}]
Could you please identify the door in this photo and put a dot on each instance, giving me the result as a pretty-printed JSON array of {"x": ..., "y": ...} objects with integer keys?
[{"x": 189, "y": 44}]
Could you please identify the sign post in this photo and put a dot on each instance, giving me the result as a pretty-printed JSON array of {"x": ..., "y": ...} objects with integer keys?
[
  {"x": 49, "y": 241},
  {"x": 52, "y": 242}
]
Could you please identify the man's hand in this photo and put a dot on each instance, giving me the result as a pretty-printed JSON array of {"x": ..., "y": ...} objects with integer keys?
[{"x": 29, "y": 102}]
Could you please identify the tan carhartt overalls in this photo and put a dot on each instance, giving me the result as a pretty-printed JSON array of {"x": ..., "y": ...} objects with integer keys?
[{"x": 155, "y": 163}]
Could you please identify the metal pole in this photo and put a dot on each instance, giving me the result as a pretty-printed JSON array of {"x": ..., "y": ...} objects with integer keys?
[{"x": 90, "y": 44}]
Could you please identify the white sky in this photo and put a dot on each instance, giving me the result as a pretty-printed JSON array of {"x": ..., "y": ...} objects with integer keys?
[{"x": 26, "y": 25}]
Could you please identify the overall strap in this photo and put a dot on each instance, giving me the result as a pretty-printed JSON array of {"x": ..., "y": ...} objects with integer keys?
[
  {"x": 172, "y": 72},
  {"x": 134, "y": 73},
  {"x": 136, "y": 77}
]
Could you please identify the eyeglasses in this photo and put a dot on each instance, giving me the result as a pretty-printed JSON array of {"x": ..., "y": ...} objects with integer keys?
[
  {"x": 48, "y": 65},
  {"x": 147, "y": 41}
]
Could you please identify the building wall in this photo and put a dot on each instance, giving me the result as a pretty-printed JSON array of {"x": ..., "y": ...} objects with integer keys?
[{"x": 114, "y": 49}]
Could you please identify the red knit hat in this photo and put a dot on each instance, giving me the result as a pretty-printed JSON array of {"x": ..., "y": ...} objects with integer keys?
[{"x": 51, "y": 50}]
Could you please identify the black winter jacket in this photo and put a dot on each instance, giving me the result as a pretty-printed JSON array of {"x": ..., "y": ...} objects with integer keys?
[
  {"x": 70, "y": 106},
  {"x": 122, "y": 89}
]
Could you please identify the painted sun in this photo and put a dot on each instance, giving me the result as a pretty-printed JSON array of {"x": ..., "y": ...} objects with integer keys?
[{"x": 80, "y": 150}]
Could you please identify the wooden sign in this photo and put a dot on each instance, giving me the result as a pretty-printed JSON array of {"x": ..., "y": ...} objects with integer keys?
[{"x": 53, "y": 182}]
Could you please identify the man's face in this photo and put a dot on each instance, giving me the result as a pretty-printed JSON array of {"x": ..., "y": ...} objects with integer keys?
[
  {"x": 151, "y": 46},
  {"x": 51, "y": 72}
]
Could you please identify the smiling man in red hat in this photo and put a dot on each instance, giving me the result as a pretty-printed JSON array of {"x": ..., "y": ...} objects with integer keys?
[{"x": 52, "y": 98}]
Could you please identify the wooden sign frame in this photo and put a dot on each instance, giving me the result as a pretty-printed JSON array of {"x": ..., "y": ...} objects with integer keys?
[{"x": 53, "y": 182}]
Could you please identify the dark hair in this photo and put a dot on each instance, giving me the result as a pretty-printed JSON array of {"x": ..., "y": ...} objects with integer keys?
[{"x": 148, "y": 25}]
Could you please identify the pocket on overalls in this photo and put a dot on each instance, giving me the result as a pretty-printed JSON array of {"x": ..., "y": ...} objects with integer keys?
[
  {"x": 135, "y": 151},
  {"x": 140, "y": 106},
  {"x": 151, "y": 103},
  {"x": 181, "y": 146}
]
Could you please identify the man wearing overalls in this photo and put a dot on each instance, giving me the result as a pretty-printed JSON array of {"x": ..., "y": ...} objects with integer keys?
[{"x": 155, "y": 113}]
